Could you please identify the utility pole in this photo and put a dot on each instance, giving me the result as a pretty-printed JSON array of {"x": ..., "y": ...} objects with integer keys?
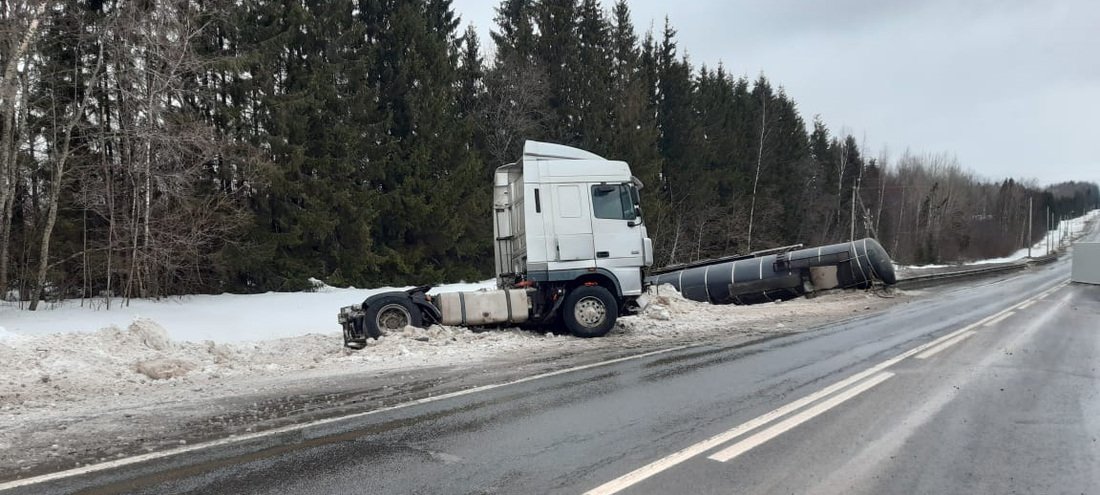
[
  {"x": 852, "y": 233},
  {"x": 1065, "y": 226},
  {"x": 1047, "y": 237},
  {"x": 1061, "y": 231},
  {"x": 1030, "y": 213}
]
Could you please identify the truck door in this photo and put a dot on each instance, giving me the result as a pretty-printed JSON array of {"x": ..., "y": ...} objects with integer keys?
[
  {"x": 572, "y": 225},
  {"x": 617, "y": 232}
]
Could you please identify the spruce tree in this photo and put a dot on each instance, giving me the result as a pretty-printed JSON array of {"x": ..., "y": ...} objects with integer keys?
[
  {"x": 514, "y": 36},
  {"x": 304, "y": 102},
  {"x": 592, "y": 78},
  {"x": 429, "y": 168},
  {"x": 556, "y": 52}
]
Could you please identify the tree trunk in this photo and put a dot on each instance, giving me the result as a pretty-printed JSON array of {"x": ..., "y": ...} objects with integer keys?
[
  {"x": 759, "y": 162},
  {"x": 55, "y": 190},
  {"x": 51, "y": 219},
  {"x": 840, "y": 185},
  {"x": 8, "y": 90}
]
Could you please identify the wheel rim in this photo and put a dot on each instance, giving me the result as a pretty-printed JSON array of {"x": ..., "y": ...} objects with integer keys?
[
  {"x": 392, "y": 317},
  {"x": 590, "y": 312}
]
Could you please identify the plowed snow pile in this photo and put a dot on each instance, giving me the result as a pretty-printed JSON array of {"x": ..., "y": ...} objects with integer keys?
[{"x": 142, "y": 361}]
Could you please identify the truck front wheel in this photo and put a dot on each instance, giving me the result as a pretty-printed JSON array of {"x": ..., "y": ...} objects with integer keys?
[{"x": 590, "y": 311}]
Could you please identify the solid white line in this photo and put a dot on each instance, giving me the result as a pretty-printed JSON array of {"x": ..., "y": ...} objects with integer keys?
[
  {"x": 802, "y": 417},
  {"x": 944, "y": 345},
  {"x": 1027, "y": 304},
  {"x": 999, "y": 319},
  {"x": 629, "y": 479},
  {"x": 92, "y": 468},
  {"x": 625, "y": 481}
]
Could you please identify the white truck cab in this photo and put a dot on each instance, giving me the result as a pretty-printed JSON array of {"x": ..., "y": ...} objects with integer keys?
[
  {"x": 561, "y": 213},
  {"x": 570, "y": 247}
]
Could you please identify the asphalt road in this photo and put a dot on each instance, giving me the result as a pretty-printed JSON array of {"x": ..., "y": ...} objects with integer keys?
[{"x": 985, "y": 388}]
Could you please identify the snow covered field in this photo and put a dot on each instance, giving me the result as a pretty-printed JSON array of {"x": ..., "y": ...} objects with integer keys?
[{"x": 220, "y": 318}]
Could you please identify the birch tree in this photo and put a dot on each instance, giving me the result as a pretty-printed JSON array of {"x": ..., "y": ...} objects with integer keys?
[{"x": 21, "y": 21}]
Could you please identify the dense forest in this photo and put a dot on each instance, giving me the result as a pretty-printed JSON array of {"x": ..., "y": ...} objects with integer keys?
[{"x": 158, "y": 148}]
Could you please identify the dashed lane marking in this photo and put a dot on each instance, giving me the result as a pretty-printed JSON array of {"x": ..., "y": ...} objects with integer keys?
[
  {"x": 944, "y": 345},
  {"x": 999, "y": 319}
]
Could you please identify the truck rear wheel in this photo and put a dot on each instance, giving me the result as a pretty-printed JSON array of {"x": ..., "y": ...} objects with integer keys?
[
  {"x": 390, "y": 314},
  {"x": 590, "y": 311}
]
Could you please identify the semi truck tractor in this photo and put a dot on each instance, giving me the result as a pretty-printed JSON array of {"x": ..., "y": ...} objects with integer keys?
[
  {"x": 571, "y": 249},
  {"x": 570, "y": 245}
]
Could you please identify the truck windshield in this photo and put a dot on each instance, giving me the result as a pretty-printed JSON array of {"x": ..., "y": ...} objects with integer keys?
[{"x": 613, "y": 202}]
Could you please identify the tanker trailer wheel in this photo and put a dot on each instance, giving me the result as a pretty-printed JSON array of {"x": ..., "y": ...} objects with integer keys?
[
  {"x": 390, "y": 314},
  {"x": 590, "y": 311}
]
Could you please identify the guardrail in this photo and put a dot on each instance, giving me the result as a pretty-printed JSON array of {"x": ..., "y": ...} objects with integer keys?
[
  {"x": 933, "y": 279},
  {"x": 1043, "y": 260}
]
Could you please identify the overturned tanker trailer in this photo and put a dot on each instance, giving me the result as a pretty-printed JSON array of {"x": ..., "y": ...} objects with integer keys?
[{"x": 781, "y": 273}]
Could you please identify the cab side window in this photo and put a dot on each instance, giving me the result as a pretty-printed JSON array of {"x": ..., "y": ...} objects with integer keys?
[{"x": 612, "y": 202}]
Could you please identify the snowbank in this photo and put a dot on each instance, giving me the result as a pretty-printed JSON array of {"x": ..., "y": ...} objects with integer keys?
[
  {"x": 220, "y": 318},
  {"x": 144, "y": 360}
]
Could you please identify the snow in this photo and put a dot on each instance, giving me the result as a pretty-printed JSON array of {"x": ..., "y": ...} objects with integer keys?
[
  {"x": 167, "y": 352},
  {"x": 1063, "y": 233},
  {"x": 219, "y": 318},
  {"x": 149, "y": 368}
]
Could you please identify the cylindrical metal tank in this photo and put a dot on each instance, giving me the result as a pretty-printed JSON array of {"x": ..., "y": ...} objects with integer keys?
[{"x": 782, "y": 275}]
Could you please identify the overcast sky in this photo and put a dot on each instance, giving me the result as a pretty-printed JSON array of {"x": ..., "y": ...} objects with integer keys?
[{"x": 1011, "y": 88}]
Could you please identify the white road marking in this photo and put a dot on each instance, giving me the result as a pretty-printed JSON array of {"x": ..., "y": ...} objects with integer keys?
[
  {"x": 625, "y": 481},
  {"x": 92, "y": 468},
  {"x": 629, "y": 479},
  {"x": 802, "y": 417},
  {"x": 1026, "y": 304},
  {"x": 1051, "y": 290},
  {"x": 999, "y": 319},
  {"x": 636, "y": 476},
  {"x": 944, "y": 345}
]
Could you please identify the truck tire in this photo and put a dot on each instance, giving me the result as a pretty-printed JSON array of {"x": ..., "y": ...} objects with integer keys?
[
  {"x": 390, "y": 314},
  {"x": 590, "y": 311}
]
